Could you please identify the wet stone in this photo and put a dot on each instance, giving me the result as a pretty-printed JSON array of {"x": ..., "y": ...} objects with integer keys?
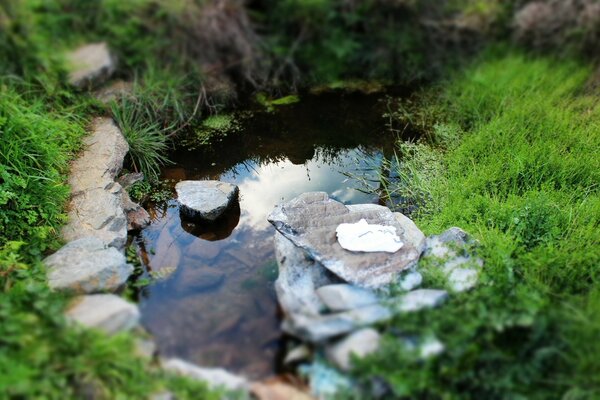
[
  {"x": 199, "y": 278},
  {"x": 87, "y": 265},
  {"x": 205, "y": 200},
  {"x": 310, "y": 222}
]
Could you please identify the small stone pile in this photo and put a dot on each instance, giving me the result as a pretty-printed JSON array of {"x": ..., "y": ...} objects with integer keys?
[{"x": 331, "y": 297}]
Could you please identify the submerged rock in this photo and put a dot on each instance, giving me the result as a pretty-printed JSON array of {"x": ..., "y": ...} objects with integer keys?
[
  {"x": 451, "y": 251},
  {"x": 360, "y": 344},
  {"x": 87, "y": 265},
  {"x": 199, "y": 278},
  {"x": 96, "y": 199},
  {"x": 310, "y": 221},
  {"x": 107, "y": 312},
  {"x": 214, "y": 377},
  {"x": 343, "y": 297},
  {"x": 90, "y": 65},
  {"x": 205, "y": 199}
]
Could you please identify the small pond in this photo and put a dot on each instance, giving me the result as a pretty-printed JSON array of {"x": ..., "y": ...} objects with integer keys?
[{"x": 219, "y": 308}]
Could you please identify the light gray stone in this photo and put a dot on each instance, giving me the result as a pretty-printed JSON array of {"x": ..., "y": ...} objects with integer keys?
[
  {"x": 114, "y": 91},
  {"x": 205, "y": 199},
  {"x": 343, "y": 297},
  {"x": 298, "y": 279},
  {"x": 90, "y": 65},
  {"x": 321, "y": 328},
  {"x": 420, "y": 299},
  {"x": 107, "y": 312},
  {"x": 410, "y": 280},
  {"x": 214, "y": 377},
  {"x": 87, "y": 265},
  {"x": 310, "y": 221},
  {"x": 297, "y": 354},
  {"x": 360, "y": 344},
  {"x": 451, "y": 252},
  {"x": 96, "y": 200}
]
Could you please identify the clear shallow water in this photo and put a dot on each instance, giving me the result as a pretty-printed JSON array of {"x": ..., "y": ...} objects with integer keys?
[{"x": 219, "y": 306}]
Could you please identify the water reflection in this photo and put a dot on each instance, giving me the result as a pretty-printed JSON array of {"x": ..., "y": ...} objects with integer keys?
[{"x": 219, "y": 306}]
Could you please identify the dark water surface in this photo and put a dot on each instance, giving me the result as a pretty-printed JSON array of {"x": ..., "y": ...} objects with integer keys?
[{"x": 219, "y": 306}]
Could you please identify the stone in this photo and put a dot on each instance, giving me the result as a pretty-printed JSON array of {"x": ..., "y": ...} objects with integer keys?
[
  {"x": 368, "y": 238},
  {"x": 275, "y": 389},
  {"x": 451, "y": 252},
  {"x": 90, "y": 65},
  {"x": 326, "y": 382},
  {"x": 343, "y": 297},
  {"x": 95, "y": 208},
  {"x": 297, "y": 354},
  {"x": 114, "y": 91},
  {"x": 128, "y": 180},
  {"x": 137, "y": 217},
  {"x": 359, "y": 344},
  {"x": 431, "y": 347},
  {"x": 199, "y": 279},
  {"x": 298, "y": 279},
  {"x": 317, "y": 329},
  {"x": 163, "y": 396},
  {"x": 419, "y": 299},
  {"x": 410, "y": 280},
  {"x": 205, "y": 200},
  {"x": 214, "y": 377},
  {"x": 145, "y": 348},
  {"x": 310, "y": 221},
  {"x": 87, "y": 265},
  {"x": 107, "y": 312}
]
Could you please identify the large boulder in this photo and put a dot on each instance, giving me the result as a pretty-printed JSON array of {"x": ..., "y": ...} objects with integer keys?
[
  {"x": 96, "y": 207},
  {"x": 107, "y": 312},
  {"x": 87, "y": 265},
  {"x": 205, "y": 200},
  {"x": 310, "y": 221},
  {"x": 90, "y": 65}
]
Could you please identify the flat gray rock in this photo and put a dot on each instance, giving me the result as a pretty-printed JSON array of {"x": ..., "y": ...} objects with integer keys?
[
  {"x": 358, "y": 344},
  {"x": 87, "y": 265},
  {"x": 214, "y": 377},
  {"x": 96, "y": 208},
  {"x": 90, "y": 65},
  {"x": 343, "y": 297},
  {"x": 107, "y": 312},
  {"x": 420, "y": 299},
  {"x": 206, "y": 200},
  {"x": 324, "y": 327},
  {"x": 452, "y": 251},
  {"x": 310, "y": 221}
]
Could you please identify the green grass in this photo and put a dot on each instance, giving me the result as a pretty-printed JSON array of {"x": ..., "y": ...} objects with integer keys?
[{"x": 523, "y": 178}]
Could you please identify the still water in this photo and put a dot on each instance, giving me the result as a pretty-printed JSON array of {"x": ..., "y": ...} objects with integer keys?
[{"x": 218, "y": 308}]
